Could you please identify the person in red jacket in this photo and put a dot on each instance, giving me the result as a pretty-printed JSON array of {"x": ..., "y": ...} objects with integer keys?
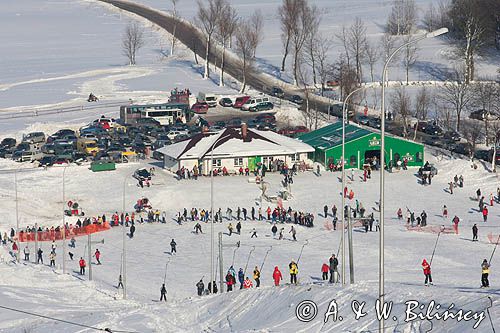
[
  {"x": 427, "y": 272},
  {"x": 277, "y": 276},
  {"x": 247, "y": 284},
  {"x": 485, "y": 214},
  {"x": 230, "y": 281},
  {"x": 82, "y": 266},
  {"x": 97, "y": 255},
  {"x": 324, "y": 269}
]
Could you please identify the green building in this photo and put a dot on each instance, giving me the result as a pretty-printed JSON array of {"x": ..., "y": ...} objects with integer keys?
[{"x": 361, "y": 146}]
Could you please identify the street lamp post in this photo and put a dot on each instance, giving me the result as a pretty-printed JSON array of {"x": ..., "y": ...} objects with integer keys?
[
  {"x": 212, "y": 244},
  {"x": 64, "y": 220},
  {"x": 343, "y": 180},
  {"x": 124, "y": 249},
  {"x": 17, "y": 217},
  {"x": 432, "y": 34}
]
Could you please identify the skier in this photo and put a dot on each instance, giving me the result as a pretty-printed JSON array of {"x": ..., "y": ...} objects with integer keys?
[
  {"x": 197, "y": 228},
  {"x": 455, "y": 221},
  {"x": 325, "y": 209},
  {"x": 485, "y": 270},
  {"x": 173, "y": 248},
  {"x": 39, "y": 256},
  {"x": 293, "y": 232},
  {"x": 97, "y": 256},
  {"x": 256, "y": 276},
  {"x": 491, "y": 199},
  {"x": 229, "y": 281},
  {"x": 26, "y": 253},
  {"x": 400, "y": 214},
  {"x": 163, "y": 293},
  {"x": 247, "y": 284},
  {"x": 445, "y": 212},
  {"x": 53, "y": 246},
  {"x": 244, "y": 211},
  {"x": 334, "y": 263},
  {"x": 281, "y": 233},
  {"x": 474, "y": 233},
  {"x": 485, "y": 214},
  {"x": 334, "y": 222},
  {"x": 238, "y": 213},
  {"x": 253, "y": 213},
  {"x": 229, "y": 213},
  {"x": 478, "y": 193},
  {"x": 230, "y": 228},
  {"x": 334, "y": 211},
  {"x": 72, "y": 242},
  {"x": 52, "y": 257},
  {"x": 241, "y": 277},
  {"x": 254, "y": 233},
  {"x": 423, "y": 216},
  {"x": 324, "y": 269},
  {"x": 82, "y": 265},
  {"x": 427, "y": 272},
  {"x": 318, "y": 170},
  {"x": 200, "y": 286},
  {"x": 238, "y": 228},
  {"x": 277, "y": 276},
  {"x": 274, "y": 230},
  {"x": 294, "y": 270},
  {"x": 70, "y": 255},
  {"x": 120, "y": 283}
]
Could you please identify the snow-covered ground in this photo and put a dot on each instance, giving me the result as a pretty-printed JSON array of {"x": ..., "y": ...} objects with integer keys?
[{"x": 456, "y": 265}]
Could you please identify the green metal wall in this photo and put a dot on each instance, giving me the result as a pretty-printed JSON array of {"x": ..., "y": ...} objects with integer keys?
[{"x": 355, "y": 151}]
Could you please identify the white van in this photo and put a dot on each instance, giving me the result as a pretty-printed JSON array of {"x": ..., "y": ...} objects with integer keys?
[
  {"x": 209, "y": 98},
  {"x": 254, "y": 101}
]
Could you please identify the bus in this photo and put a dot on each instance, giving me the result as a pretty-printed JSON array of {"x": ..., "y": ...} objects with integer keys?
[
  {"x": 165, "y": 117},
  {"x": 130, "y": 113}
]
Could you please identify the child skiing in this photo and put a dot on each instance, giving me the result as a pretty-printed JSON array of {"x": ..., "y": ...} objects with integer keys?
[
  {"x": 277, "y": 276},
  {"x": 427, "y": 272},
  {"x": 324, "y": 270}
]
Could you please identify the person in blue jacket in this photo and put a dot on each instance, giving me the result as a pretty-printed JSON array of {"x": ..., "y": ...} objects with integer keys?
[{"x": 241, "y": 277}]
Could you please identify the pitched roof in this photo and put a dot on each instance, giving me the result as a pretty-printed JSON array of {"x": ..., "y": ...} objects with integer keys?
[
  {"x": 331, "y": 136},
  {"x": 230, "y": 143}
]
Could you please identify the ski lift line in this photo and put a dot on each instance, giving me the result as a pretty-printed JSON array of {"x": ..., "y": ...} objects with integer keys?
[
  {"x": 489, "y": 315},
  {"x": 265, "y": 257},
  {"x": 494, "y": 249},
  {"x": 300, "y": 255},
  {"x": 435, "y": 246},
  {"x": 65, "y": 321},
  {"x": 234, "y": 254},
  {"x": 248, "y": 259}
]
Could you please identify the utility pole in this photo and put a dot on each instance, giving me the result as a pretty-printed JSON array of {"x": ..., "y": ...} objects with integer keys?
[
  {"x": 64, "y": 220},
  {"x": 351, "y": 258},
  {"x": 17, "y": 218},
  {"x": 124, "y": 249},
  {"x": 35, "y": 253},
  {"x": 221, "y": 265}
]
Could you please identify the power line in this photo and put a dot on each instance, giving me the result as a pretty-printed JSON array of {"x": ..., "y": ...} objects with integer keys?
[{"x": 66, "y": 321}]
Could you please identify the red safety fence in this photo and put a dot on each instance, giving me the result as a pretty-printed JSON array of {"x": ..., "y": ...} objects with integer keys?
[
  {"x": 51, "y": 235},
  {"x": 494, "y": 239}
]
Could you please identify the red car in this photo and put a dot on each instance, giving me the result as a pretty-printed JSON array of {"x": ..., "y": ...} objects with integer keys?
[
  {"x": 200, "y": 107},
  {"x": 292, "y": 131},
  {"x": 333, "y": 83},
  {"x": 238, "y": 103}
]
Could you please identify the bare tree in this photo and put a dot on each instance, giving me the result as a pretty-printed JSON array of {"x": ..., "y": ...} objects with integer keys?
[
  {"x": 344, "y": 40},
  {"x": 300, "y": 34},
  {"x": 132, "y": 41},
  {"x": 246, "y": 46},
  {"x": 207, "y": 18},
  {"x": 372, "y": 57},
  {"x": 403, "y": 17},
  {"x": 309, "y": 113},
  {"x": 311, "y": 46},
  {"x": 456, "y": 94},
  {"x": 472, "y": 132},
  {"x": 226, "y": 26},
  {"x": 175, "y": 15},
  {"x": 401, "y": 107},
  {"x": 288, "y": 13},
  {"x": 256, "y": 24},
  {"x": 345, "y": 75},
  {"x": 423, "y": 102},
  {"x": 495, "y": 140},
  {"x": 487, "y": 96},
  {"x": 323, "y": 44},
  {"x": 409, "y": 56},
  {"x": 357, "y": 43}
]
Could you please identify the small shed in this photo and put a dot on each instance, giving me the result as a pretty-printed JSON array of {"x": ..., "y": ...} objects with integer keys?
[{"x": 362, "y": 146}]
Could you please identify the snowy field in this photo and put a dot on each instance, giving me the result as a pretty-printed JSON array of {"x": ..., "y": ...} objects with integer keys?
[{"x": 456, "y": 265}]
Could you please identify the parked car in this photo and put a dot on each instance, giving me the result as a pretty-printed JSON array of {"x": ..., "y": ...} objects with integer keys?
[
  {"x": 61, "y": 161},
  {"x": 374, "y": 122},
  {"x": 142, "y": 174},
  {"x": 226, "y": 102},
  {"x": 172, "y": 134},
  {"x": 484, "y": 115},
  {"x": 296, "y": 99},
  {"x": 462, "y": 148},
  {"x": 181, "y": 137},
  {"x": 264, "y": 106},
  {"x": 27, "y": 156},
  {"x": 266, "y": 117},
  {"x": 452, "y": 136},
  {"x": 332, "y": 83},
  {"x": 240, "y": 101},
  {"x": 484, "y": 155},
  {"x": 145, "y": 122},
  {"x": 363, "y": 120},
  {"x": 200, "y": 107},
  {"x": 278, "y": 92},
  {"x": 34, "y": 137},
  {"x": 47, "y": 160},
  {"x": 433, "y": 130},
  {"x": 292, "y": 131},
  {"x": 8, "y": 143}
]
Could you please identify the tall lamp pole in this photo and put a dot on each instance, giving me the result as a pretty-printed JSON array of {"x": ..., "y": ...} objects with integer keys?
[
  {"x": 212, "y": 241},
  {"x": 124, "y": 248},
  {"x": 344, "y": 107},
  {"x": 432, "y": 34},
  {"x": 64, "y": 220},
  {"x": 17, "y": 217}
]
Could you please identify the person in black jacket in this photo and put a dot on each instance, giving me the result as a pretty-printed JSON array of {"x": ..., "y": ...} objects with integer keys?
[
  {"x": 334, "y": 263},
  {"x": 173, "y": 244},
  {"x": 200, "y": 286},
  {"x": 163, "y": 293},
  {"x": 474, "y": 233}
]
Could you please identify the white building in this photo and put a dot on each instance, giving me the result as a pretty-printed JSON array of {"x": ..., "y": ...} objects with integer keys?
[{"x": 234, "y": 148}]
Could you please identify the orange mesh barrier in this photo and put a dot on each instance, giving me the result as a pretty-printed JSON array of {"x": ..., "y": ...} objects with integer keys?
[
  {"x": 51, "y": 235},
  {"x": 433, "y": 229},
  {"x": 494, "y": 238}
]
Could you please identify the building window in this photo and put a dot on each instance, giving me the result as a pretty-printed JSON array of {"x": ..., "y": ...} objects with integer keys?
[
  {"x": 294, "y": 157},
  {"x": 418, "y": 156},
  {"x": 238, "y": 161},
  {"x": 216, "y": 162},
  {"x": 352, "y": 160}
]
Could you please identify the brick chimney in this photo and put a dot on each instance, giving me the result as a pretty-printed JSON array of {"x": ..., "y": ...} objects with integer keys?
[{"x": 244, "y": 132}]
